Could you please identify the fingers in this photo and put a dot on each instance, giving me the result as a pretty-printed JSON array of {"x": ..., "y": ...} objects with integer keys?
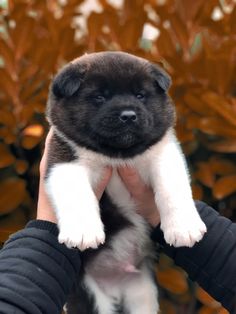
[
  {"x": 44, "y": 208},
  {"x": 132, "y": 181},
  {"x": 43, "y": 162},
  {"x": 142, "y": 194},
  {"x": 103, "y": 183},
  {"x": 48, "y": 138}
]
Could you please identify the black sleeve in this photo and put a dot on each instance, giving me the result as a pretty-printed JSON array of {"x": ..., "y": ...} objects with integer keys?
[
  {"x": 36, "y": 272},
  {"x": 212, "y": 261}
]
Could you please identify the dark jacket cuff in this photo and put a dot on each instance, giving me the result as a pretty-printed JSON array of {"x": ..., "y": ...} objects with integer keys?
[{"x": 43, "y": 225}]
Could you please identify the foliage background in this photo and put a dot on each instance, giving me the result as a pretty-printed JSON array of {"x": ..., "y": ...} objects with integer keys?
[{"x": 194, "y": 40}]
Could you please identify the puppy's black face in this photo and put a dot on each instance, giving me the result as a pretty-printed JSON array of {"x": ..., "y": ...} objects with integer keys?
[{"x": 112, "y": 103}]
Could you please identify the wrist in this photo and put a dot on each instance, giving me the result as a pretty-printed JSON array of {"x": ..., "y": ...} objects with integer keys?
[
  {"x": 46, "y": 214},
  {"x": 44, "y": 208}
]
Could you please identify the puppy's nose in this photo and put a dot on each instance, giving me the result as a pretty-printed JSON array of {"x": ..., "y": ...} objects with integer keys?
[{"x": 127, "y": 116}]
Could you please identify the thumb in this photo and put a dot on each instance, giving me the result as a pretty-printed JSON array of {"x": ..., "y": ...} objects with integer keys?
[{"x": 103, "y": 183}]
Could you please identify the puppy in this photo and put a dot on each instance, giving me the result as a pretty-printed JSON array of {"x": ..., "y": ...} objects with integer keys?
[{"x": 112, "y": 109}]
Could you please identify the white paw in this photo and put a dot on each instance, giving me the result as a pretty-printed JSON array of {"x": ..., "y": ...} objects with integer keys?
[
  {"x": 82, "y": 234},
  {"x": 184, "y": 232}
]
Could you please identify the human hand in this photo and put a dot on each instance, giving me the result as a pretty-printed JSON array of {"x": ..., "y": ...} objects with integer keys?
[
  {"x": 44, "y": 208},
  {"x": 142, "y": 194}
]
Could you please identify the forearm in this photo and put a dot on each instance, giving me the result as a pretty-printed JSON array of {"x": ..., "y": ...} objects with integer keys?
[
  {"x": 36, "y": 272},
  {"x": 212, "y": 261}
]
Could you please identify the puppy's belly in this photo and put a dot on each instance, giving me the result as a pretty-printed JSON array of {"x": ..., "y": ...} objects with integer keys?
[
  {"x": 120, "y": 258},
  {"x": 114, "y": 267},
  {"x": 114, "y": 275}
]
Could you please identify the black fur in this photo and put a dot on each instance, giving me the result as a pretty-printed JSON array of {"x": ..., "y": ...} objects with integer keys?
[
  {"x": 67, "y": 82},
  {"x": 80, "y": 302},
  {"x": 91, "y": 93},
  {"x": 59, "y": 151}
]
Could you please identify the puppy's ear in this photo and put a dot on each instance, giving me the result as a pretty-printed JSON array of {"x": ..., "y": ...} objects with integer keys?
[
  {"x": 67, "y": 82},
  {"x": 161, "y": 77}
]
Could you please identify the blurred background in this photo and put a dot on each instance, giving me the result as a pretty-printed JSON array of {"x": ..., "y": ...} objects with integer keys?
[{"x": 195, "y": 41}]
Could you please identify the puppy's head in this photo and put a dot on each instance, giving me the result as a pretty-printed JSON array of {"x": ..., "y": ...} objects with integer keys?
[{"x": 111, "y": 102}]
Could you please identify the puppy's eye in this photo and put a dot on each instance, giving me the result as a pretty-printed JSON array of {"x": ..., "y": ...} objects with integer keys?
[
  {"x": 99, "y": 98},
  {"x": 140, "y": 96}
]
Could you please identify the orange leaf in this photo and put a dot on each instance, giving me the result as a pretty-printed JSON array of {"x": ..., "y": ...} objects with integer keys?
[
  {"x": 7, "y": 53},
  {"x": 26, "y": 115},
  {"x": 224, "y": 186},
  {"x": 183, "y": 134},
  {"x": 189, "y": 9},
  {"x": 94, "y": 23},
  {"x": 165, "y": 43},
  {"x": 204, "y": 174},
  {"x": 222, "y": 146},
  {"x": 7, "y": 135},
  {"x": 211, "y": 125},
  {"x": 34, "y": 130},
  {"x": 206, "y": 310},
  {"x": 206, "y": 299},
  {"x": 197, "y": 191},
  {"x": 12, "y": 223},
  {"x": 198, "y": 106},
  {"x": 29, "y": 142},
  {"x": 180, "y": 30},
  {"x": 23, "y": 35},
  {"x": 167, "y": 307},
  {"x": 164, "y": 262},
  {"x": 8, "y": 84},
  {"x": 190, "y": 147},
  {"x": 222, "y": 166},
  {"x": 233, "y": 17},
  {"x": 222, "y": 310},
  {"x": 21, "y": 166},
  {"x": 7, "y": 118},
  {"x": 4, "y": 235},
  {"x": 221, "y": 106},
  {"x": 173, "y": 280},
  {"x": 12, "y": 194}
]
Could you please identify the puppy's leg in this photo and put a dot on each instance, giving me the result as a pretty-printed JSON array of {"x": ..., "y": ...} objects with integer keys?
[
  {"x": 75, "y": 204},
  {"x": 104, "y": 304},
  {"x": 140, "y": 293},
  {"x": 180, "y": 221}
]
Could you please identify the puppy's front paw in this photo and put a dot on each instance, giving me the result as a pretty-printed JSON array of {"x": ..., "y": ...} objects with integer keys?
[
  {"x": 184, "y": 232},
  {"x": 82, "y": 234}
]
